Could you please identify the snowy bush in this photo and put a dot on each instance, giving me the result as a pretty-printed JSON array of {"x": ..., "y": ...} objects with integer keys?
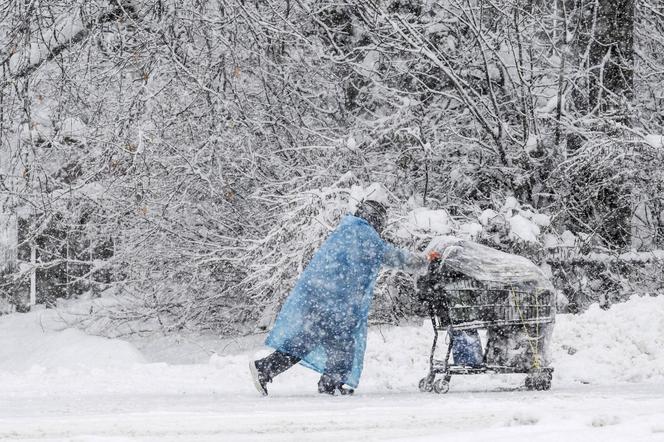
[
  {"x": 275, "y": 261},
  {"x": 191, "y": 158}
]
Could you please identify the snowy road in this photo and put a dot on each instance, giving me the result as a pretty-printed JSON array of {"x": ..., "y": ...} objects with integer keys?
[{"x": 583, "y": 413}]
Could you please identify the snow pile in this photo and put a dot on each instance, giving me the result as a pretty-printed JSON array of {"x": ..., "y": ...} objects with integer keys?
[
  {"x": 434, "y": 221},
  {"x": 515, "y": 222},
  {"x": 26, "y": 342},
  {"x": 622, "y": 344},
  {"x": 654, "y": 140},
  {"x": 602, "y": 347},
  {"x": 523, "y": 229},
  {"x": 423, "y": 220},
  {"x": 511, "y": 222},
  {"x": 470, "y": 230}
]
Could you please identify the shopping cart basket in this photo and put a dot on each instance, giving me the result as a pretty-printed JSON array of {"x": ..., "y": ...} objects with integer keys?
[{"x": 462, "y": 299}]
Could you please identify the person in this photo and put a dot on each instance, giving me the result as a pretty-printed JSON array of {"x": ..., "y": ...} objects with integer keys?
[{"x": 323, "y": 322}]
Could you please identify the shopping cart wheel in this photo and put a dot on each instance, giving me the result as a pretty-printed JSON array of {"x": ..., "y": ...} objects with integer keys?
[
  {"x": 426, "y": 385},
  {"x": 441, "y": 386},
  {"x": 539, "y": 381},
  {"x": 529, "y": 383}
]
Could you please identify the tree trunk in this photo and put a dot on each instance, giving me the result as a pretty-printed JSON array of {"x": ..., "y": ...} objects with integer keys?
[
  {"x": 604, "y": 49},
  {"x": 611, "y": 57}
]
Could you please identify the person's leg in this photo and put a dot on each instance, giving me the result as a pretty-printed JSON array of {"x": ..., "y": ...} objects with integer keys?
[
  {"x": 264, "y": 370},
  {"x": 276, "y": 363},
  {"x": 340, "y": 356}
]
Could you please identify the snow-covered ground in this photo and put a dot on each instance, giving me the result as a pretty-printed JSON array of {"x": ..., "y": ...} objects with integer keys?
[{"x": 68, "y": 386}]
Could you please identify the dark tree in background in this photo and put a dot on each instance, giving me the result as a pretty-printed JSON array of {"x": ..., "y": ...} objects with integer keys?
[
  {"x": 602, "y": 98},
  {"x": 604, "y": 49},
  {"x": 611, "y": 58}
]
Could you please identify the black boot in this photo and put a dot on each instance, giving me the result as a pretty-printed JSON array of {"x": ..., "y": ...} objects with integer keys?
[
  {"x": 260, "y": 377},
  {"x": 263, "y": 370},
  {"x": 331, "y": 385}
]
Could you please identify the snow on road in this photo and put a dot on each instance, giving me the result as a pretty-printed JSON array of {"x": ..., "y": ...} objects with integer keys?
[
  {"x": 630, "y": 413},
  {"x": 608, "y": 386}
]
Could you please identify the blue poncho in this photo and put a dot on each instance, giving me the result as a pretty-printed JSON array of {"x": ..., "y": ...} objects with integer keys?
[{"x": 325, "y": 316}]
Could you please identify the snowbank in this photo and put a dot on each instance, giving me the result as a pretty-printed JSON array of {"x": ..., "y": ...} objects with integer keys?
[
  {"x": 602, "y": 347},
  {"x": 27, "y": 340},
  {"x": 624, "y": 344}
]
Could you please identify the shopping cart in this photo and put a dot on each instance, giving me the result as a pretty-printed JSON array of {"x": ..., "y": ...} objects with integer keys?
[{"x": 477, "y": 288}]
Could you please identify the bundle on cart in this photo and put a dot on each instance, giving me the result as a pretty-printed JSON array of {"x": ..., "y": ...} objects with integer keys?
[{"x": 472, "y": 288}]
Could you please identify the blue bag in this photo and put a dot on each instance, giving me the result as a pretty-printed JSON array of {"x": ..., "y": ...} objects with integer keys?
[{"x": 467, "y": 348}]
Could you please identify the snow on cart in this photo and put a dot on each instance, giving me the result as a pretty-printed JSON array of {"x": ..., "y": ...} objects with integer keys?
[{"x": 471, "y": 287}]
